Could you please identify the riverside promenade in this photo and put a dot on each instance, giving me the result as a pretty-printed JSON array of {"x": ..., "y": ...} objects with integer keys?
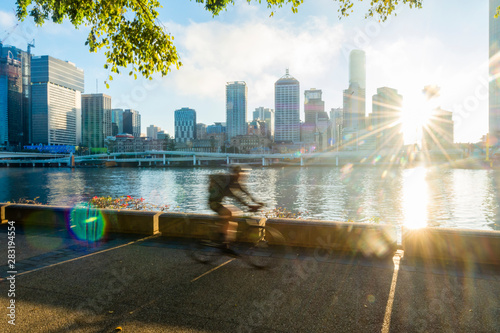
[{"x": 148, "y": 284}]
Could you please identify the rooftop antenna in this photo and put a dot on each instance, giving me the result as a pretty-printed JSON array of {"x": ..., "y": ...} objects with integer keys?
[
  {"x": 96, "y": 86},
  {"x": 287, "y": 72}
]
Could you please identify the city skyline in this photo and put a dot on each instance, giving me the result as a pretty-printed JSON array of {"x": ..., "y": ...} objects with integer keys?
[{"x": 414, "y": 49}]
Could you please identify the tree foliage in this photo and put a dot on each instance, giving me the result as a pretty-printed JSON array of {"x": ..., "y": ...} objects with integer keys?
[{"x": 135, "y": 39}]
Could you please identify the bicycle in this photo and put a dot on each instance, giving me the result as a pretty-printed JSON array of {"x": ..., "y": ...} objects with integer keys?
[{"x": 255, "y": 243}]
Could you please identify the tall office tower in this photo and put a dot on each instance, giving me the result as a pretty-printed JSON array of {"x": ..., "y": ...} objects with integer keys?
[
  {"x": 132, "y": 122},
  {"x": 438, "y": 133},
  {"x": 185, "y": 125},
  {"x": 385, "y": 119},
  {"x": 354, "y": 99},
  {"x": 287, "y": 109},
  {"x": 117, "y": 121},
  {"x": 152, "y": 132},
  {"x": 314, "y": 106},
  {"x": 96, "y": 119},
  {"x": 268, "y": 116},
  {"x": 56, "y": 88},
  {"x": 201, "y": 131},
  {"x": 11, "y": 110},
  {"x": 357, "y": 68},
  {"x": 336, "y": 121},
  {"x": 15, "y": 87},
  {"x": 236, "y": 108},
  {"x": 494, "y": 73}
]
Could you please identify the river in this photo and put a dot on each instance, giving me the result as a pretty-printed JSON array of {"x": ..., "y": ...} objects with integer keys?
[{"x": 418, "y": 197}]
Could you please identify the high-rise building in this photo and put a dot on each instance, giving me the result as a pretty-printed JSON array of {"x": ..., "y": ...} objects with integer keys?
[
  {"x": 266, "y": 115},
  {"x": 314, "y": 106},
  {"x": 152, "y": 132},
  {"x": 96, "y": 119},
  {"x": 287, "y": 109},
  {"x": 236, "y": 108},
  {"x": 117, "y": 121},
  {"x": 357, "y": 68},
  {"x": 494, "y": 74},
  {"x": 185, "y": 125},
  {"x": 385, "y": 119},
  {"x": 56, "y": 88},
  {"x": 132, "y": 123},
  {"x": 354, "y": 100},
  {"x": 438, "y": 132},
  {"x": 336, "y": 121},
  {"x": 15, "y": 112},
  {"x": 201, "y": 131}
]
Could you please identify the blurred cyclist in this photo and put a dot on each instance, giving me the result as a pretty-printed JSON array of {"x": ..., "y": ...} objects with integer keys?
[{"x": 229, "y": 185}]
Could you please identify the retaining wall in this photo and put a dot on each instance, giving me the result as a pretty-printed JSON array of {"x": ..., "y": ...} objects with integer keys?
[
  {"x": 459, "y": 245},
  {"x": 370, "y": 240}
]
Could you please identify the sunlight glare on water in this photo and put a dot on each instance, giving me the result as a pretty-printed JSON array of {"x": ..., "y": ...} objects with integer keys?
[{"x": 415, "y": 198}]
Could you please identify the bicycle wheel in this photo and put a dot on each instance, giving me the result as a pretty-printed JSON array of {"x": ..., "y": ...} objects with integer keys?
[
  {"x": 203, "y": 246},
  {"x": 263, "y": 247}
]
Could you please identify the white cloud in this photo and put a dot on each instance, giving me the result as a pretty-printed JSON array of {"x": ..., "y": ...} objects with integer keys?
[
  {"x": 7, "y": 20},
  {"x": 256, "y": 51}
]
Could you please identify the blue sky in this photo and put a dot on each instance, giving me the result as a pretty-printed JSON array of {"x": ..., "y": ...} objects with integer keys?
[{"x": 444, "y": 44}]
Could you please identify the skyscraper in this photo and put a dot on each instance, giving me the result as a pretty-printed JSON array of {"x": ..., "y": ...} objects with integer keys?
[
  {"x": 96, "y": 119},
  {"x": 117, "y": 121},
  {"x": 236, "y": 108},
  {"x": 15, "y": 112},
  {"x": 494, "y": 73},
  {"x": 185, "y": 125},
  {"x": 132, "y": 122},
  {"x": 152, "y": 132},
  {"x": 354, "y": 98},
  {"x": 314, "y": 106},
  {"x": 385, "y": 118},
  {"x": 56, "y": 101},
  {"x": 438, "y": 133},
  {"x": 287, "y": 109},
  {"x": 268, "y": 116}
]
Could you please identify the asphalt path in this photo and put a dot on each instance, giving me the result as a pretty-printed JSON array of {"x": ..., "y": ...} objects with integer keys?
[{"x": 149, "y": 284}]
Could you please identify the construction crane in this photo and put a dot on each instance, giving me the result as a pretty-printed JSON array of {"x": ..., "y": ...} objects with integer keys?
[
  {"x": 30, "y": 45},
  {"x": 9, "y": 32}
]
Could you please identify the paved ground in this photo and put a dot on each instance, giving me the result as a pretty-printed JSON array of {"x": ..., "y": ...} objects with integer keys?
[{"x": 150, "y": 285}]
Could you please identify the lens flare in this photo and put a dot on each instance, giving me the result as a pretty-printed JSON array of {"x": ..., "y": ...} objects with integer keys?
[{"x": 87, "y": 223}]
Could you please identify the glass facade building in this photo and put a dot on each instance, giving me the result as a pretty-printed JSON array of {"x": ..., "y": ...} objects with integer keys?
[
  {"x": 15, "y": 116},
  {"x": 266, "y": 115},
  {"x": 56, "y": 101},
  {"x": 287, "y": 109},
  {"x": 96, "y": 119},
  {"x": 117, "y": 121},
  {"x": 185, "y": 125},
  {"x": 132, "y": 123},
  {"x": 236, "y": 108}
]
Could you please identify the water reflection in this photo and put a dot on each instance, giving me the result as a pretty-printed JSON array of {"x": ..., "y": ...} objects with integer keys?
[
  {"x": 411, "y": 197},
  {"x": 415, "y": 199}
]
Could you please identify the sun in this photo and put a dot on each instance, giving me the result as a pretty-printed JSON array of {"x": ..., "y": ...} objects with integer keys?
[{"x": 415, "y": 115}]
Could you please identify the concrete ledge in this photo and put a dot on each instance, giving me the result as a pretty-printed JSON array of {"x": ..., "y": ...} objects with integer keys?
[
  {"x": 370, "y": 240},
  {"x": 130, "y": 221},
  {"x": 40, "y": 215},
  {"x": 185, "y": 225},
  {"x": 114, "y": 221},
  {"x": 445, "y": 244}
]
